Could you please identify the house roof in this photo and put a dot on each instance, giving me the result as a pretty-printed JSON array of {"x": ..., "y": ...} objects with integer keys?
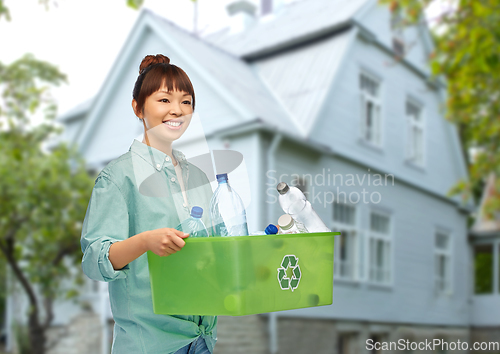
[
  {"x": 296, "y": 22},
  {"x": 301, "y": 77}
]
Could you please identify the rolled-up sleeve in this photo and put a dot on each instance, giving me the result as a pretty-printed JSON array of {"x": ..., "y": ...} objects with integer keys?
[{"x": 106, "y": 221}]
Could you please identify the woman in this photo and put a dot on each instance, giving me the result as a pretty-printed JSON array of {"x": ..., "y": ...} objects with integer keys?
[{"x": 137, "y": 200}]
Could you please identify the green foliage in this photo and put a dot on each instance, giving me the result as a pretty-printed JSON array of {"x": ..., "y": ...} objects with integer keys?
[
  {"x": 44, "y": 199},
  {"x": 24, "y": 89},
  {"x": 4, "y": 11},
  {"x": 135, "y": 4},
  {"x": 467, "y": 54},
  {"x": 43, "y": 192},
  {"x": 483, "y": 272},
  {"x": 3, "y": 292}
]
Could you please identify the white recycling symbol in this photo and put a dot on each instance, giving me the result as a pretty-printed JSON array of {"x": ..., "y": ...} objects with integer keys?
[{"x": 289, "y": 273}]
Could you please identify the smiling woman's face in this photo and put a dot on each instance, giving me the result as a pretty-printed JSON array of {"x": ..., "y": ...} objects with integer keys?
[{"x": 166, "y": 115}]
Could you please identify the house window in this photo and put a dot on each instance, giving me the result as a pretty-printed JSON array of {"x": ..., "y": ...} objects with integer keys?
[
  {"x": 344, "y": 217},
  {"x": 441, "y": 349},
  {"x": 346, "y": 343},
  {"x": 377, "y": 340},
  {"x": 442, "y": 263},
  {"x": 371, "y": 124},
  {"x": 379, "y": 248},
  {"x": 415, "y": 133},
  {"x": 483, "y": 269}
]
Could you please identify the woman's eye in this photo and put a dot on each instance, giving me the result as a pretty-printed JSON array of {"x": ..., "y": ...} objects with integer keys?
[
  {"x": 164, "y": 100},
  {"x": 188, "y": 102}
]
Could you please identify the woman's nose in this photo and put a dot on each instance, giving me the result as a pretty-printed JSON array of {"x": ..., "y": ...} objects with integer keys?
[{"x": 176, "y": 111}]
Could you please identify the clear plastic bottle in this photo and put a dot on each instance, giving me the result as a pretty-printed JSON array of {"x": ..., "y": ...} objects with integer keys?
[
  {"x": 287, "y": 225},
  {"x": 193, "y": 225},
  {"x": 300, "y": 226},
  {"x": 227, "y": 211},
  {"x": 294, "y": 202}
]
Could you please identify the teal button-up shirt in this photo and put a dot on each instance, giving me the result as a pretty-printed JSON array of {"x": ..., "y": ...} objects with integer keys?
[{"x": 138, "y": 192}]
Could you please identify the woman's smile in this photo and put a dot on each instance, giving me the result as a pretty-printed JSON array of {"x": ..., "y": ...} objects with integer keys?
[{"x": 174, "y": 124}]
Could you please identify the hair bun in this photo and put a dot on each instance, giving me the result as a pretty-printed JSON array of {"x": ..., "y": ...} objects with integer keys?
[{"x": 152, "y": 60}]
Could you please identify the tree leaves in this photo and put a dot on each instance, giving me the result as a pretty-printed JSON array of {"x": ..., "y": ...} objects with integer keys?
[
  {"x": 24, "y": 90},
  {"x": 135, "y": 4},
  {"x": 4, "y": 11},
  {"x": 43, "y": 198},
  {"x": 467, "y": 54}
]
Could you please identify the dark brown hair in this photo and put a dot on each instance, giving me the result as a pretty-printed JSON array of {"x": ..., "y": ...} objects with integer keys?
[{"x": 156, "y": 72}]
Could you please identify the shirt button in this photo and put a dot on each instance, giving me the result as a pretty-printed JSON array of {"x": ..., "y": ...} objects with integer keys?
[
  {"x": 158, "y": 166},
  {"x": 167, "y": 158},
  {"x": 172, "y": 179}
]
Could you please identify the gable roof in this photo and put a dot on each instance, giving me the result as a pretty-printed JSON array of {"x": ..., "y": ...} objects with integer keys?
[{"x": 297, "y": 22}]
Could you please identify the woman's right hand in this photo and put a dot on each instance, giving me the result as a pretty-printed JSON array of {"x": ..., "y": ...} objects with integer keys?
[{"x": 164, "y": 241}]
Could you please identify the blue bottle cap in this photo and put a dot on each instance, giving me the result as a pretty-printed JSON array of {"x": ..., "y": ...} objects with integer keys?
[
  {"x": 196, "y": 212},
  {"x": 271, "y": 229},
  {"x": 221, "y": 177}
]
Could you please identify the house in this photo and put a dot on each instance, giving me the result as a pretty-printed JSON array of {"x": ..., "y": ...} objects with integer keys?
[{"x": 334, "y": 97}]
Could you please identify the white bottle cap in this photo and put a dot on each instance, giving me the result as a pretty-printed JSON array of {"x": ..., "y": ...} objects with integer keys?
[{"x": 285, "y": 221}]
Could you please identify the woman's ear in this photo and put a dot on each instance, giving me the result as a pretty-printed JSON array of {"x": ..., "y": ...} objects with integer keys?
[{"x": 134, "y": 107}]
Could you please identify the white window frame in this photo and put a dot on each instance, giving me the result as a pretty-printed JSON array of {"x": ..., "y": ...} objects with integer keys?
[
  {"x": 376, "y": 102},
  {"x": 386, "y": 239},
  {"x": 355, "y": 243},
  {"x": 415, "y": 150},
  {"x": 448, "y": 254}
]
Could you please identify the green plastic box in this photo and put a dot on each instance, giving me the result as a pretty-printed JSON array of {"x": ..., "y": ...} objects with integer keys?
[{"x": 244, "y": 275}]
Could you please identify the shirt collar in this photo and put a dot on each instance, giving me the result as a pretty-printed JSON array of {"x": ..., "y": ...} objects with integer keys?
[{"x": 155, "y": 157}]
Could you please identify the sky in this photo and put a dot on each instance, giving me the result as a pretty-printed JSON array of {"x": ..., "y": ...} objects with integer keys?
[{"x": 83, "y": 38}]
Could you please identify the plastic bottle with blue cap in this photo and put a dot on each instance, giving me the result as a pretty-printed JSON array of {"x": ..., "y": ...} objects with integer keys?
[
  {"x": 193, "y": 225},
  {"x": 270, "y": 230}
]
